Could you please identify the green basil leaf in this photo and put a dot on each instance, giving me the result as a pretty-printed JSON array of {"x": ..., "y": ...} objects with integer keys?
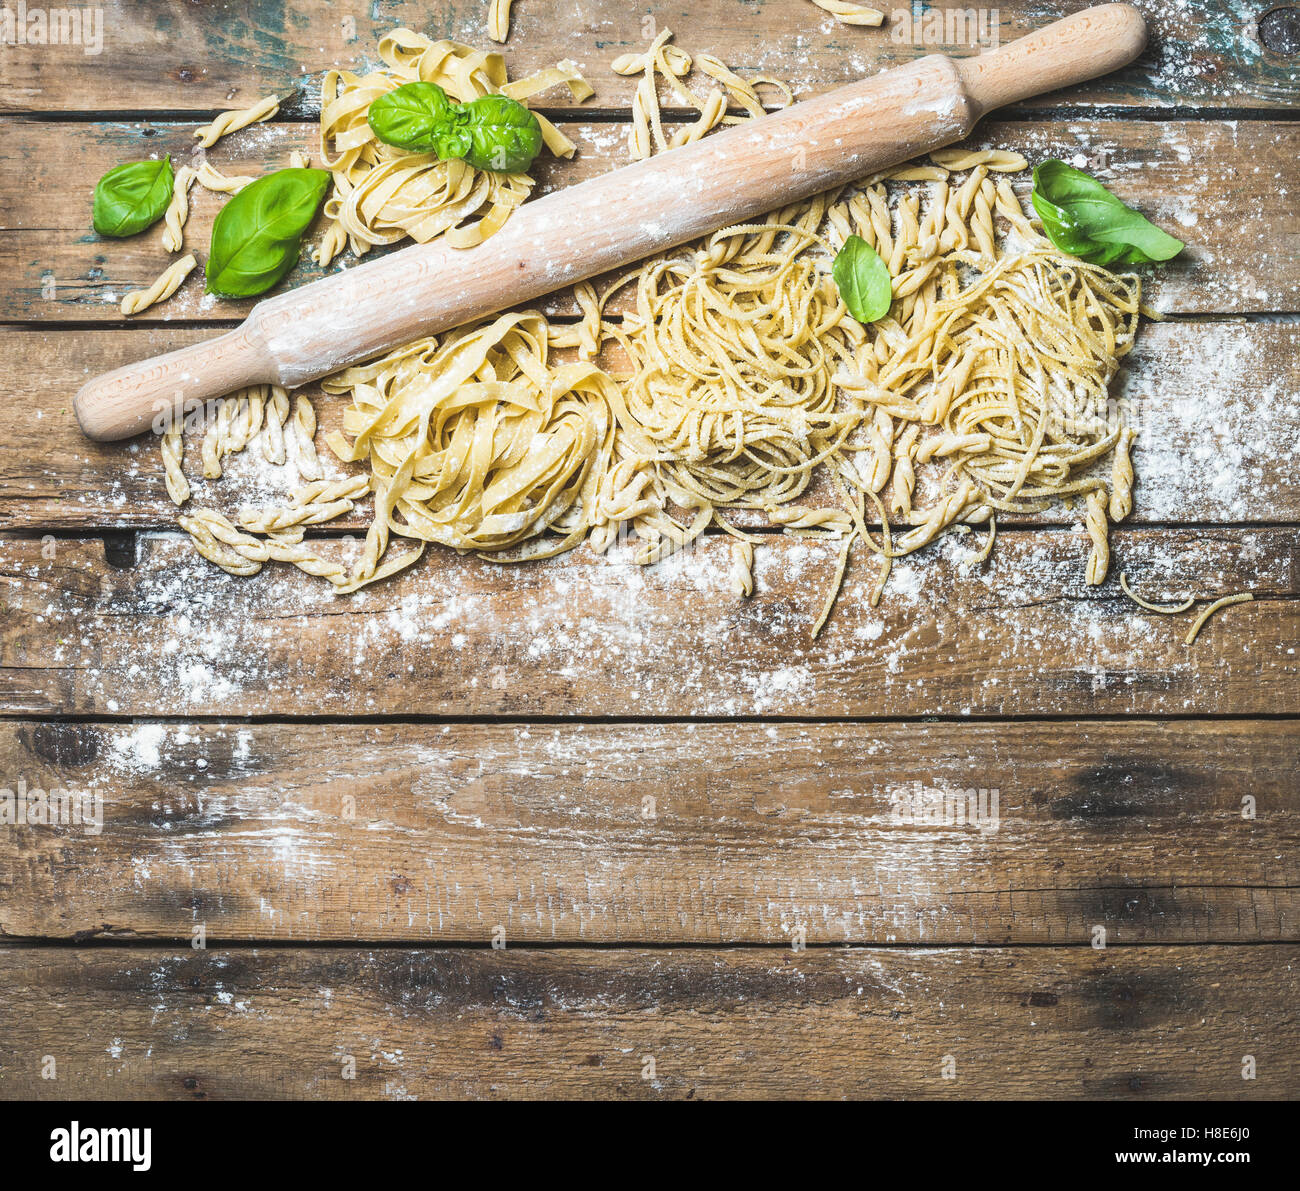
[
  {"x": 130, "y": 197},
  {"x": 863, "y": 280},
  {"x": 504, "y": 135},
  {"x": 1083, "y": 218},
  {"x": 412, "y": 116},
  {"x": 258, "y": 234}
]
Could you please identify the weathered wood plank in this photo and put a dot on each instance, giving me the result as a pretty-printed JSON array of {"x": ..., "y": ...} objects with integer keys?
[
  {"x": 1212, "y": 402},
  {"x": 668, "y": 833},
  {"x": 156, "y": 56},
  {"x": 1223, "y": 187},
  {"x": 1036, "y": 1023},
  {"x": 585, "y": 635}
]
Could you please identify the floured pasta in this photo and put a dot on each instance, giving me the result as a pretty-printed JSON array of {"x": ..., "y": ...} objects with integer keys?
[
  {"x": 211, "y": 178},
  {"x": 383, "y": 194},
  {"x": 166, "y": 284},
  {"x": 851, "y": 14},
  {"x": 664, "y": 60},
  {"x": 721, "y": 376},
  {"x": 178, "y": 210},
  {"x": 498, "y": 21},
  {"x": 232, "y": 121}
]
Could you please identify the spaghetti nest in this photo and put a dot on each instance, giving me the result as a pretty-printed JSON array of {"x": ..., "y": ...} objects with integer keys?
[{"x": 381, "y": 193}]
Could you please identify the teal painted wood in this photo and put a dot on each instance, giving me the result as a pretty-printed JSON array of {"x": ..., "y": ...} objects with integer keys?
[{"x": 155, "y": 55}]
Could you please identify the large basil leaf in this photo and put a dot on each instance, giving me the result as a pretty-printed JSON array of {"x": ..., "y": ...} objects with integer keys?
[
  {"x": 863, "y": 280},
  {"x": 1083, "y": 218},
  {"x": 503, "y": 135},
  {"x": 413, "y": 116},
  {"x": 130, "y": 197},
  {"x": 258, "y": 234}
]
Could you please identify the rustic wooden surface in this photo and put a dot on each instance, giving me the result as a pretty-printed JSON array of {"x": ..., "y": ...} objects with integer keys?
[
  {"x": 622, "y": 775},
  {"x": 1042, "y": 1022}
]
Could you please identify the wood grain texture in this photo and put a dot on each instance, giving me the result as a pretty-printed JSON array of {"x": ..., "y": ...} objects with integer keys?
[
  {"x": 583, "y": 635},
  {"x": 1143, "y": 1023},
  {"x": 1224, "y": 188},
  {"x": 158, "y": 56},
  {"x": 644, "y": 833},
  {"x": 1211, "y": 401}
]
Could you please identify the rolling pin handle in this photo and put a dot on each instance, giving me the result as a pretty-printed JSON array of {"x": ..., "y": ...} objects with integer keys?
[
  {"x": 147, "y": 396},
  {"x": 1073, "y": 50}
]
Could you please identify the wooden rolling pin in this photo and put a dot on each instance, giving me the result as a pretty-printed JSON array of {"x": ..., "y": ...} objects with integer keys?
[{"x": 613, "y": 220}]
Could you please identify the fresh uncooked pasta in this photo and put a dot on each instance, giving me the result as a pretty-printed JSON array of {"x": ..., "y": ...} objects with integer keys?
[
  {"x": 232, "y": 121},
  {"x": 383, "y": 194},
  {"x": 664, "y": 60},
  {"x": 173, "y": 456},
  {"x": 742, "y": 568},
  {"x": 211, "y": 178},
  {"x": 1095, "y": 520},
  {"x": 734, "y": 379},
  {"x": 1121, "y": 477},
  {"x": 178, "y": 210},
  {"x": 851, "y": 14},
  {"x": 166, "y": 284},
  {"x": 996, "y": 161},
  {"x": 1165, "y": 609},
  {"x": 499, "y": 19},
  {"x": 1244, "y": 597}
]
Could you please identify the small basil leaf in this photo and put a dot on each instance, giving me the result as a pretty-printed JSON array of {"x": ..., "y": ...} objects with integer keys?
[
  {"x": 1083, "y": 218},
  {"x": 130, "y": 197},
  {"x": 454, "y": 139},
  {"x": 504, "y": 135},
  {"x": 863, "y": 280},
  {"x": 411, "y": 117},
  {"x": 258, "y": 234}
]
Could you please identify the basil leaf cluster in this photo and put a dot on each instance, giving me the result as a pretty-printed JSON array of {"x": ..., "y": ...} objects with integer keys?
[
  {"x": 258, "y": 234},
  {"x": 1083, "y": 218},
  {"x": 863, "y": 280},
  {"x": 413, "y": 117},
  {"x": 494, "y": 132},
  {"x": 132, "y": 197}
]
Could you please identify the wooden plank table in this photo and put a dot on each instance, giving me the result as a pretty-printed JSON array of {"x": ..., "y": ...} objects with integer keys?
[{"x": 581, "y": 829}]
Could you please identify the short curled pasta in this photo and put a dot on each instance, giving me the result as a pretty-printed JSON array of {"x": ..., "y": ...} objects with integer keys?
[
  {"x": 851, "y": 14},
  {"x": 178, "y": 210},
  {"x": 211, "y": 178},
  {"x": 996, "y": 161},
  {"x": 166, "y": 284},
  {"x": 232, "y": 121},
  {"x": 498, "y": 22}
]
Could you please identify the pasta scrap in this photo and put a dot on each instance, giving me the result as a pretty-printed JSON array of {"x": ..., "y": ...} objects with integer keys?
[
  {"x": 164, "y": 285},
  {"x": 851, "y": 14},
  {"x": 232, "y": 121}
]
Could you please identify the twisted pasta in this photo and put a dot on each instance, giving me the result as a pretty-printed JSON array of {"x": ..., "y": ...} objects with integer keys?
[
  {"x": 663, "y": 59},
  {"x": 742, "y": 568},
  {"x": 851, "y": 14},
  {"x": 499, "y": 19},
  {"x": 211, "y": 178},
  {"x": 164, "y": 285},
  {"x": 178, "y": 210},
  {"x": 232, "y": 121}
]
